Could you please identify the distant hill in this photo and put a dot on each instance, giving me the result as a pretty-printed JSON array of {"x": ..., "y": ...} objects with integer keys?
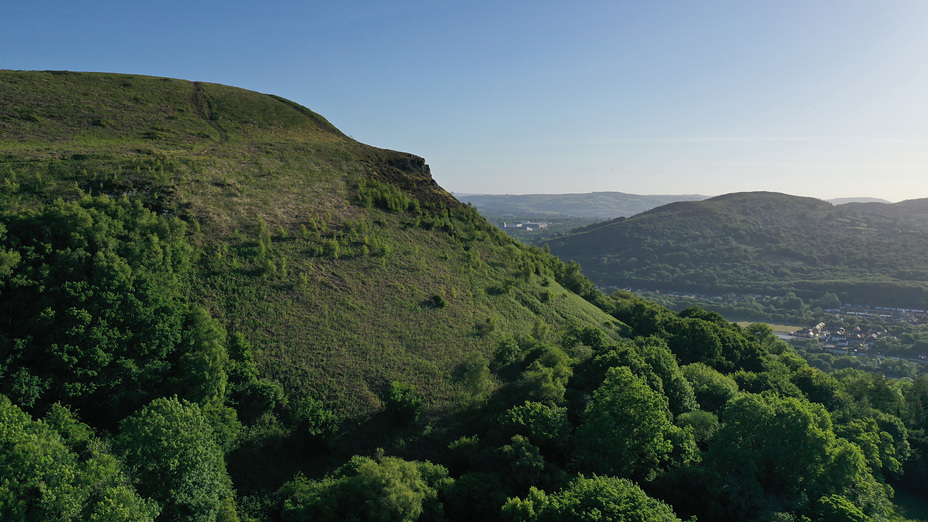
[
  {"x": 911, "y": 210},
  {"x": 844, "y": 201},
  {"x": 602, "y": 205},
  {"x": 762, "y": 242}
]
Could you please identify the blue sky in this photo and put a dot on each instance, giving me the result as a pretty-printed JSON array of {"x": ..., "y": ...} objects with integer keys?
[{"x": 817, "y": 98}]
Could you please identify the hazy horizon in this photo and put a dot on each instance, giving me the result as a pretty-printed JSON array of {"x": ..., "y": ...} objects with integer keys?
[{"x": 858, "y": 198}]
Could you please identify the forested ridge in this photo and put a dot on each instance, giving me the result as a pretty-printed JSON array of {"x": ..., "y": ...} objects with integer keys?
[
  {"x": 763, "y": 243},
  {"x": 216, "y": 306}
]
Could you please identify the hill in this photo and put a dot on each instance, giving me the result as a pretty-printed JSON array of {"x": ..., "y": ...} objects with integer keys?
[
  {"x": 594, "y": 205},
  {"x": 762, "y": 243},
  {"x": 914, "y": 211},
  {"x": 844, "y": 201},
  {"x": 303, "y": 251}
]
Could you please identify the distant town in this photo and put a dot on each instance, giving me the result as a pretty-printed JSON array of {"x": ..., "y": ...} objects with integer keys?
[
  {"x": 527, "y": 226},
  {"x": 876, "y": 329},
  {"x": 861, "y": 341}
]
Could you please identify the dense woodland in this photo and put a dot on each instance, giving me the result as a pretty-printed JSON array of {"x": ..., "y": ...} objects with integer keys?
[{"x": 217, "y": 307}]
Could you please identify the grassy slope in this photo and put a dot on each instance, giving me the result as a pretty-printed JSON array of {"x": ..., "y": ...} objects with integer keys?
[{"x": 225, "y": 159}]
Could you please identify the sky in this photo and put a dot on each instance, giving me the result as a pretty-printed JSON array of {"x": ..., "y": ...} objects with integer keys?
[{"x": 821, "y": 98}]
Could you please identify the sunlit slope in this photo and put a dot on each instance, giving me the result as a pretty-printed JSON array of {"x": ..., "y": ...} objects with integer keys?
[
  {"x": 759, "y": 243},
  {"x": 346, "y": 266}
]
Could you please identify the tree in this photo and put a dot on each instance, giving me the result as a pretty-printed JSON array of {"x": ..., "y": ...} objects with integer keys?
[
  {"x": 177, "y": 460},
  {"x": 525, "y": 462},
  {"x": 57, "y": 470},
  {"x": 204, "y": 358},
  {"x": 476, "y": 378},
  {"x": 475, "y": 496},
  {"x": 627, "y": 429},
  {"x": 403, "y": 405},
  {"x": 93, "y": 308},
  {"x": 546, "y": 377},
  {"x": 596, "y": 498},
  {"x": 695, "y": 340},
  {"x": 783, "y": 450},
  {"x": 384, "y": 489},
  {"x": 544, "y": 425},
  {"x": 711, "y": 387},
  {"x": 703, "y": 424},
  {"x": 883, "y": 440},
  {"x": 818, "y": 386},
  {"x": 678, "y": 390}
]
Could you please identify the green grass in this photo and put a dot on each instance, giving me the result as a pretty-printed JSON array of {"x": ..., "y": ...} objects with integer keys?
[
  {"x": 783, "y": 328},
  {"x": 358, "y": 322}
]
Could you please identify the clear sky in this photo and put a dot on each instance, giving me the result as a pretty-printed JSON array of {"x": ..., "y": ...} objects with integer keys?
[{"x": 817, "y": 98}]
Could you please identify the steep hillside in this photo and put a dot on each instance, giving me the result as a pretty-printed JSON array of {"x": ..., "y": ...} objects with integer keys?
[
  {"x": 759, "y": 243},
  {"x": 345, "y": 266}
]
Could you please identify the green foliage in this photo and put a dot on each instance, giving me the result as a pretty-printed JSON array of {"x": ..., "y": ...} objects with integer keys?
[
  {"x": 177, "y": 460},
  {"x": 314, "y": 421},
  {"x": 403, "y": 406},
  {"x": 204, "y": 360},
  {"x": 475, "y": 496},
  {"x": 627, "y": 430},
  {"x": 712, "y": 389},
  {"x": 835, "y": 508},
  {"x": 224, "y": 423},
  {"x": 507, "y": 351},
  {"x": 546, "y": 377},
  {"x": 594, "y": 498},
  {"x": 787, "y": 448},
  {"x": 675, "y": 386},
  {"x": 252, "y": 215},
  {"x": 524, "y": 462},
  {"x": 476, "y": 377},
  {"x": 373, "y": 193},
  {"x": 883, "y": 440},
  {"x": 872, "y": 390},
  {"x": 257, "y": 397},
  {"x": 703, "y": 424},
  {"x": 542, "y": 424},
  {"x": 94, "y": 310},
  {"x": 386, "y": 489},
  {"x": 59, "y": 471}
]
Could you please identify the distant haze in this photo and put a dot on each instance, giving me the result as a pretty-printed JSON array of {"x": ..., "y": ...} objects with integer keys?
[
  {"x": 599, "y": 205},
  {"x": 843, "y": 201},
  {"x": 603, "y": 205}
]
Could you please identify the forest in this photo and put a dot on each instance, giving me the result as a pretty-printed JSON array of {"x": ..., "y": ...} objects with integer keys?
[{"x": 216, "y": 306}]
